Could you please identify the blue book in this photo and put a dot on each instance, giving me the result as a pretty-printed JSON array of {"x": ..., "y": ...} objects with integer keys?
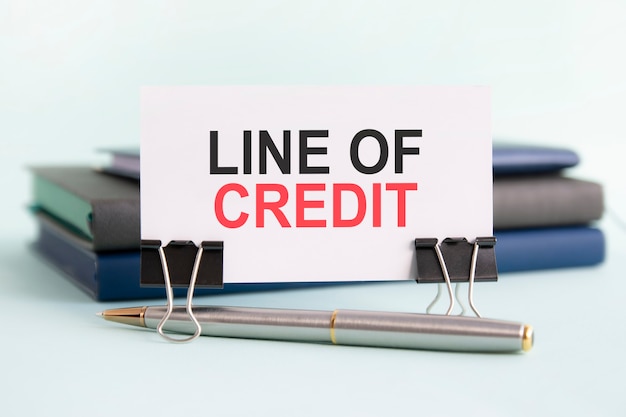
[
  {"x": 509, "y": 159},
  {"x": 547, "y": 248},
  {"x": 110, "y": 276}
]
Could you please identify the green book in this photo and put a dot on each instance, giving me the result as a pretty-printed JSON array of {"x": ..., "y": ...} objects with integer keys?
[{"x": 101, "y": 208}]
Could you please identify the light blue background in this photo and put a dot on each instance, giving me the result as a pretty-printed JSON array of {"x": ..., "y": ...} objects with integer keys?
[
  {"x": 70, "y": 73},
  {"x": 71, "y": 70}
]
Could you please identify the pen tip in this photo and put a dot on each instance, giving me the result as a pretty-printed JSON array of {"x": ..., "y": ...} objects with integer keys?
[
  {"x": 132, "y": 315},
  {"x": 100, "y": 313}
]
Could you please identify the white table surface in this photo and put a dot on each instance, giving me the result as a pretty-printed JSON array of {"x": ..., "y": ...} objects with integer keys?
[{"x": 59, "y": 358}]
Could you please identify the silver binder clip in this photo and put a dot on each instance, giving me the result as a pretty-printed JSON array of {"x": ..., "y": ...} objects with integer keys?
[
  {"x": 479, "y": 255},
  {"x": 472, "y": 277},
  {"x": 446, "y": 277},
  {"x": 170, "y": 297},
  {"x": 181, "y": 264}
]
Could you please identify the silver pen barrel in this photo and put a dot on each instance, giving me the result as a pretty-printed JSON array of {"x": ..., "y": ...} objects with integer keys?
[{"x": 351, "y": 327}]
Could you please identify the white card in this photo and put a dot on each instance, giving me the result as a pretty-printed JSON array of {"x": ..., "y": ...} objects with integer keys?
[{"x": 315, "y": 183}]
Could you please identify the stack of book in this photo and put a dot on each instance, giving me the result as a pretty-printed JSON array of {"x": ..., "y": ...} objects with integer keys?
[
  {"x": 89, "y": 229},
  {"x": 89, "y": 220},
  {"x": 543, "y": 218}
]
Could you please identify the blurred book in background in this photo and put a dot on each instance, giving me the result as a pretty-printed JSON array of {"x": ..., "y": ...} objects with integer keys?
[{"x": 543, "y": 218}]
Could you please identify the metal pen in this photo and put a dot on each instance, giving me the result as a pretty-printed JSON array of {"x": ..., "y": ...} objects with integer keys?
[{"x": 341, "y": 327}]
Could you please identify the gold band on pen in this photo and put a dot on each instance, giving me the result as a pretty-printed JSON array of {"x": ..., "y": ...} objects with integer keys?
[
  {"x": 527, "y": 338},
  {"x": 333, "y": 318}
]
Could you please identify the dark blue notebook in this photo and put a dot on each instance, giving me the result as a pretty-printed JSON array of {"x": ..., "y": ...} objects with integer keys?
[
  {"x": 528, "y": 159},
  {"x": 547, "y": 248},
  {"x": 110, "y": 276},
  {"x": 508, "y": 159}
]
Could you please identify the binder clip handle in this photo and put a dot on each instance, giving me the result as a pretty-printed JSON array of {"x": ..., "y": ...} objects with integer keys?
[
  {"x": 170, "y": 297},
  {"x": 432, "y": 265},
  {"x": 181, "y": 264}
]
